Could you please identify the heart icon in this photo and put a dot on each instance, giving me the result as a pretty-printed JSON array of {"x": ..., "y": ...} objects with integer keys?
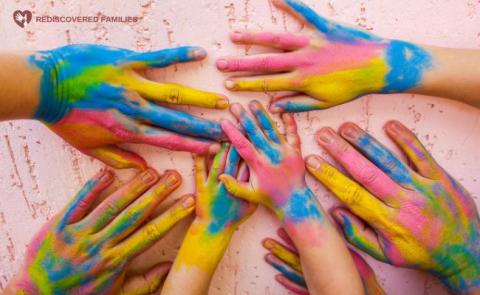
[{"x": 22, "y": 17}]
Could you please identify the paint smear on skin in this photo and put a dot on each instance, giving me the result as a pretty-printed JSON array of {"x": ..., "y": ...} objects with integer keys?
[{"x": 292, "y": 275}]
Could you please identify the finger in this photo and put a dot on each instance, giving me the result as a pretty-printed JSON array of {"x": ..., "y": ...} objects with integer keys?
[
  {"x": 154, "y": 230},
  {"x": 360, "y": 201},
  {"x": 240, "y": 190},
  {"x": 120, "y": 199},
  {"x": 218, "y": 164},
  {"x": 284, "y": 41},
  {"x": 262, "y": 63},
  {"x": 286, "y": 270},
  {"x": 361, "y": 169},
  {"x": 370, "y": 283},
  {"x": 266, "y": 83},
  {"x": 84, "y": 199},
  {"x": 255, "y": 134},
  {"x": 290, "y": 285},
  {"x": 173, "y": 141},
  {"x": 165, "y": 57},
  {"x": 332, "y": 31},
  {"x": 147, "y": 283},
  {"x": 200, "y": 171},
  {"x": 291, "y": 132},
  {"x": 243, "y": 174},
  {"x": 129, "y": 219},
  {"x": 282, "y": 233},
  {"x": 283, "y": 253},
  {"x": 176, "y": 94},
  {"x": 378, "y": 154},
  {"x": 266, "y": 123},
  {"x": 242, "y": 145},
  {"x": 413, "y": 149},
  {"x": 358, "y": 233},
  {"x": 117, "y": 157},
  {"x": 178, "y": 122},
  {"x": 297, "y": 104}
]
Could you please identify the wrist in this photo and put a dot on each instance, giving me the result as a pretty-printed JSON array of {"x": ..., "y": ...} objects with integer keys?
[
  {"x": 407, "y": 64},
  {"x": 52, "y": 105}
]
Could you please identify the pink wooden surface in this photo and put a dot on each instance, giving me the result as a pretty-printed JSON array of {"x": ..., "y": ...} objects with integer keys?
[{"x": 39, "y": 172}]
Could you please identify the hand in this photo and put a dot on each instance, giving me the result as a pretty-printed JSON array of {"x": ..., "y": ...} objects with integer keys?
[
  {"x": 331, "y": 63},
  {"x": 96, "y": 97},
  {"x": 286, "y": 260},
  {"x": 86, "y": 251},
  {"x": 418, "y": 217}
]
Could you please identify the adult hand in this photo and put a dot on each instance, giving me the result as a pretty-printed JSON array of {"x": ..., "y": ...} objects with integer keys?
[
  {"x": 331, "y": 63},
  {"x": 96, "y": 97},
  {"x": 417, "y": 217},
  {"x": 285, "y": 259},
  {"x": 86, "y": 251}
]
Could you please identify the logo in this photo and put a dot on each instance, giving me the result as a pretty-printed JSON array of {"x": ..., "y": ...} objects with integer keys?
[{"x": 22, "y": 18}]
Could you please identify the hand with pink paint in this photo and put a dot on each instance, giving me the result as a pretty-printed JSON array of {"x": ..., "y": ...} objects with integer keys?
[
  {"x": 332, "y": 64},
  {"x": 276, "y": 163},
  {"x": 285, "y": 259},
  {"x": 218, "y": 215},
  {"x": 86, "y": 249},
  {"x": 97, "y": 97},
  {"x": 414, "y": 216}
]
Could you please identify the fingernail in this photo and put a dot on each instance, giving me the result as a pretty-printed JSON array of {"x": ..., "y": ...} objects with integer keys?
[
  {"x": 275, "y": 109},
  {"x": 325, "y": 136},
  {"x": 214, "y": 148},
  {"x": 148, "y": 176},
  {"x": 268, "y": 244},
  {"x": 222, "y": 103},
  {"x": 236, "y": 36},
  {"x": 188, "y": 202},
  {"x": 199, "y": 53},
  {"x": 338, "y": 216},
  {"x": 222, "y": 64},
  {"x": 394, "y": 127},
  {"x": 350, "y": 131},
  {"x": 313, "y": 162},
  {"x": 172, "y": 178},
  {"x": 236, "y": 109},
  {"x": 229, "y": 84}
]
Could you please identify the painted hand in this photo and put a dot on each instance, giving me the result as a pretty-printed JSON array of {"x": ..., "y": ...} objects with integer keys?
[
  {"x": 286, "y": 260},
  {"x": 331, "y": 63},
  {"x": 86, "y": 251},
  {"x": 276, "y": 162},
  {"x": 418, "y": 217},
  {"x": 96, "y": 97}
]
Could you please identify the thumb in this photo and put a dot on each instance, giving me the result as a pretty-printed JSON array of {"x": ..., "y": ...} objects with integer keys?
[
  {"x": 241, "y": 190},
  {"x": 148, "y": 282}
]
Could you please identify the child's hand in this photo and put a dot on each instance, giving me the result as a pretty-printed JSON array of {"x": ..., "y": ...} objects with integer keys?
[
  {"x": 86, "y": 251},
  {"x": 96, "y": 97},
  {"x": 286, "y": 260},
  {"x": 418, "y": 217},
  {"x": 331, "y": 63}
]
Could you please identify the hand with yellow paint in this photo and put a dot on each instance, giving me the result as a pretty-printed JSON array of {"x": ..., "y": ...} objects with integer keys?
[
  {"x": 218, "y": 215},
  {"x": 286, "y": 260},
  {"x": 330, "y": 62},
  {"x": 276, "y": 162},
  {"x": 97, "y": 97},
  {"x": 86, "y": 249},
  {"x": 414, "y": 216}
]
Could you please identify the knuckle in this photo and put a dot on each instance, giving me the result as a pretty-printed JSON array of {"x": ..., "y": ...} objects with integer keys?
[
  {"x": 173, "y": 96},
  {"x": 353, "y": 195},
  {"x": 368, "y": 176}
]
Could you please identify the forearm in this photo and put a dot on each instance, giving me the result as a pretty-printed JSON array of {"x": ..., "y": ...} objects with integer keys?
[
  {"x": 321, "y": 249},
  {"x": 454, "y": 74},
  {"x": 197, "y": 259},
  {"x": 19, "y": 87}
]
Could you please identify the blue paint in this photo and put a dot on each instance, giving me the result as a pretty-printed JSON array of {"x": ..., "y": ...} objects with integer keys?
[
  {"x": 297, "y": 107},
  {"x": 301, "y": 206},
  {"x": 407, "y": 64},
  {"x": 383, "y": 159},
  {"x": 332, "y": 31},
  {"x": 267, "y": 125},
  {"x": 292, "y": 275},
  {"x": 258, "y": 139}
]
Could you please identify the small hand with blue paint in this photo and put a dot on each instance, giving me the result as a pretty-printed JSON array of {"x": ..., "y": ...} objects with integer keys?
[
  {"x": 276, "y": 163},
  {"x": 414, "y": 216},
  {"x": 218, "y": 214},
  {"x": 96, "y": 97},
  {"x": 86, "y": 249},
  {"x": 286, "y": 260},
  {"x": 331, "y": 63}
]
